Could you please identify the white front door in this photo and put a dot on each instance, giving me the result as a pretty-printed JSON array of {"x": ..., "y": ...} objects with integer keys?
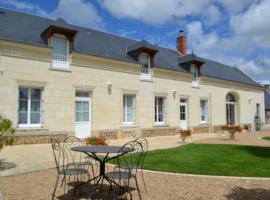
[
  {"x": 183, "y": 114},
  {"x": 82, "y": 114}
]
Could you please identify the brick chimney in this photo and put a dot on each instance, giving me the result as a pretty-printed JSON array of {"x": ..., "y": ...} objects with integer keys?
[{"x": 181, "y": 43}]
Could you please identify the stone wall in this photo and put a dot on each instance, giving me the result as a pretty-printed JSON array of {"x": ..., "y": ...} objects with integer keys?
[
  {"x": 217, "y": 129},
  {"x": 202, "y": 129},
  {"x": 36, "y": 139},
  {"x": 158, "y": 132},
  {"x": 107, "y": 134}
]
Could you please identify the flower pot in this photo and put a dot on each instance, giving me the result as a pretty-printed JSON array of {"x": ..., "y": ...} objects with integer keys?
[{"x": 232, "y": 133}]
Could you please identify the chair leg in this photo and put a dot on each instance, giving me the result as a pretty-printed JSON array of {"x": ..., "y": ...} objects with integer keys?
[
  {"x": 137, "y": 186},
  {"x": 55, "y": 187},
  {"x": 143, "y": 180}
]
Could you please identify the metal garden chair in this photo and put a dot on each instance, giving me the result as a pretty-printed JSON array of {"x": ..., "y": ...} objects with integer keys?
[
  {"x": 144, "y": 144},
  {"x": 131, "y": 160},
  {"x": 64, "y": 169},
  {"x": 79, "y": 160}
]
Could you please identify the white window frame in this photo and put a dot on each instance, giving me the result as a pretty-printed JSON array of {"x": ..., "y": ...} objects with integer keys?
[
  {"x": 157, "y": 122},
  {"x": 202, "y": 112},
  {"x": 145, "y": 76},
  {"x": 29, "y": 125},
  {"x": 83, "y": 99},
  {"x": 125, "y": 108},
  {"x": 195, "y": 79},
  {"x": 60, "y": 61}
]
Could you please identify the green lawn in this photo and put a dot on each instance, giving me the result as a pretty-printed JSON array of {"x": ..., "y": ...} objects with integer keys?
[
  {"x": 212, "y": 159},
  {"x": 266, "y": 138}
]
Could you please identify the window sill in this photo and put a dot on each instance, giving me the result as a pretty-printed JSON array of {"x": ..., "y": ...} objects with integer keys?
[
  {"x": 30, "y": 129},
  {"x": 129, "y": 125},
  {"x": 195, "y": 84},
  {"x": 161, "y": 125},
  {"x": 204, "y": 123},
  {"x": 60, "y": 69},
  {"x": 146, "y": 79}
]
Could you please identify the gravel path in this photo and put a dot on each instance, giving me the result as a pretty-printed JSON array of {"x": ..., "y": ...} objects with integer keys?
[
  {"x": 39, "y": 185},
  {"x": 249, "y": 138}
]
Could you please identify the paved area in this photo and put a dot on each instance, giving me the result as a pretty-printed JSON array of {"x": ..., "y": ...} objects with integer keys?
[
  {"x": 249, "y": 138},
  {"x": 27, "y": 158},
  {"x": 160, "y": 186}
]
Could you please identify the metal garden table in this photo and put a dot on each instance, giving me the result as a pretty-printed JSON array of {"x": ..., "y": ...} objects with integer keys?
[{"x": 92, "y": 152}]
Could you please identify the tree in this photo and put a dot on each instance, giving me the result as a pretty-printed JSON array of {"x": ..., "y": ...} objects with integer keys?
[{"x": 6, "y": 132}]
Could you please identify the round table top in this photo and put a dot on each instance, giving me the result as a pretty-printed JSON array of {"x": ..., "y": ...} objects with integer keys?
[{"x": 98, "y": 149}]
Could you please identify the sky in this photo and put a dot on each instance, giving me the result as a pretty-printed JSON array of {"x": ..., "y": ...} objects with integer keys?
[{"x": 234, "y": 32}]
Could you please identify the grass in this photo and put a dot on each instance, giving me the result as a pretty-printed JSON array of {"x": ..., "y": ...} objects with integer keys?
[
  {"x": 266, "y": 138},
  {"x": 212, "y": 159}
]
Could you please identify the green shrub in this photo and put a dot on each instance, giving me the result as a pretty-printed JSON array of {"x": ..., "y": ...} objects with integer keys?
[{"x": 6, "y": 132}]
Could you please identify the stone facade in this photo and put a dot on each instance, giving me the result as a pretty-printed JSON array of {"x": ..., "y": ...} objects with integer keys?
[
  {"x": 30, "y": 66},
  {"x": 36, "y": 139},
  {"x": 202, "y": 129},
  {"x": 158, "y": 132}
]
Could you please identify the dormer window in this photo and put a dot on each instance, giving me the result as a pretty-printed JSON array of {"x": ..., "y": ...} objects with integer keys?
[
  {"x": 195, "y": 72},
  {"x": 60, "y": 52},
  {"x": 144, "y": 60}
]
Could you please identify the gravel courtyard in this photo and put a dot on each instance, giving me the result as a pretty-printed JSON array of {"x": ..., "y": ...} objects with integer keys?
[{"x": 39, "y": 185}]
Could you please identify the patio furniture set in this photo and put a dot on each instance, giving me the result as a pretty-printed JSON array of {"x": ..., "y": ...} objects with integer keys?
[{"x": 77, "y": 165}]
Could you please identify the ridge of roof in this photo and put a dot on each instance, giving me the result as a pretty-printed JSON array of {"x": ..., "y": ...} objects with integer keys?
[{"x": 110, "y": 45}]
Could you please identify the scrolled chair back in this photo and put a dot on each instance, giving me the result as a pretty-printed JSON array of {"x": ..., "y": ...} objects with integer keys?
[
  {"x": 130, "y": 156},
  {"x": 72, "y": 141},
  {"x": 144, "y": 143},
  {"x": 60, "y": 155}
]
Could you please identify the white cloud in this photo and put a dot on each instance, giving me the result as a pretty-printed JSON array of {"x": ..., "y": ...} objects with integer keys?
[
  {"x": 235, "y": 6},
  {"x": 234, "y": 50},
  {"x": 254, "y": 24},
  {"x": 21, "y": 5},
  {"x": 78, "y": 12},
  {"x": 199, "y": 41},
  {"x": 257, "y": 67},
  {"x": 212, "y": 15},
  {"x": 159, "y": 11}
]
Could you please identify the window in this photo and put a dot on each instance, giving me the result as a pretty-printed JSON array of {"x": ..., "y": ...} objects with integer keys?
[
  {"x": 195, "y": 79},
  {"x": 160, "y": 109},
  {"x": 204, "y": 111},
  {"x": 128, "y": 109},
  {"x": 194, "y": 70},
  {"x": 258, "y": 112},
  {"x": 29, "y": 107},
  {"x": 59, "y": 52},
  {"x": 82, "y": 107},
  {"x": 230, "y": 109},
  {"x": 144, "y": 59}
]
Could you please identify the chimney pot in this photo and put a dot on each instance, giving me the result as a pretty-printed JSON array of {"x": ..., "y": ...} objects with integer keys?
[{"x": 181, "y": 43}]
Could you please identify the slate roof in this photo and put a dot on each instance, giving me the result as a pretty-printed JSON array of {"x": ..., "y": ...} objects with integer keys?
[
  {"x": 267, "y": 100},
  {"x": 26, "y": 28},
  {"x": 140, "y": 45}
]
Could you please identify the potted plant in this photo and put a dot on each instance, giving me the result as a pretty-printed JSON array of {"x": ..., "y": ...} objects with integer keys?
[
  {"x": 232, "y": 129},
  {"x": 94, "y": 140},
  {"x": 258, "y": 123},
  {"x": 184, "y": 133},
  {"x": 246, "y": 127},
  {"x": 6, "y": 132}
]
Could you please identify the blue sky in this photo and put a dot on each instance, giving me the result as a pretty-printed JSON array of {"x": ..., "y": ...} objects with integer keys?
[{"x": 235, "y": 32}]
